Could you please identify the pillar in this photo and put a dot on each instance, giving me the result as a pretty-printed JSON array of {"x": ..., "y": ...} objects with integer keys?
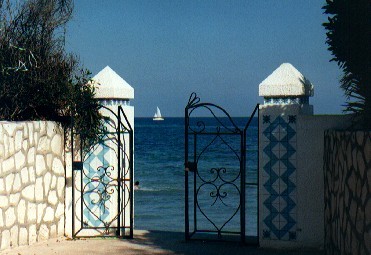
[{"x": 286, "y": 95}]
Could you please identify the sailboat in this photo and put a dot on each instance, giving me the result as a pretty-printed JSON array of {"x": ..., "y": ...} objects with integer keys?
[{"x": 157, "y": 115}]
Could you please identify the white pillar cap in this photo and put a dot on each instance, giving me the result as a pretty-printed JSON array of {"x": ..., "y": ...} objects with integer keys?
[
  {"x": 286, "y": 81},
  {"x": 109, "y": 85}
]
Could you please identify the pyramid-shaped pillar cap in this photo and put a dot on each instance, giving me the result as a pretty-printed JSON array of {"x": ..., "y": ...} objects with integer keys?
[
  {"x": 286, "y": 81},
  {"x": 109, "y": 85}
]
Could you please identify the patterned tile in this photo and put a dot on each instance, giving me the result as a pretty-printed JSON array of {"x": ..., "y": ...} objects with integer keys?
[
  {"x": 266, "y": 119},
  {"x": 292, "y": 235},
  {"x": 95, "y": 211},
  {"x": 97, "y": 177},
  {"x": 266, "y": 234},
  {"x": 278, "y": 166}
]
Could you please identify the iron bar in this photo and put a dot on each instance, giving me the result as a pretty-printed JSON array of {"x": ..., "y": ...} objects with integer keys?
[
  {"x": 81, "y": 187},
  {"x": 186, "y": 216},
  {"x": 118, "y": 171},
  {"x": 242, "y": 196},
  {"x": 251, "y": 117},
  {"x": 258, "y": 179},
  {"x": 131, "y": 165},
  {"x": 124, "y": 180},
  {"x": 194, "y": 181},
  {"x": 73, "y": 179}
]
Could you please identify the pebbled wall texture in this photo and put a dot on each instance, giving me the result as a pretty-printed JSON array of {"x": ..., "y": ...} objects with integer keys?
[
  {"x": 347, "y": 175},
  {"x": 32, "y": 182}
]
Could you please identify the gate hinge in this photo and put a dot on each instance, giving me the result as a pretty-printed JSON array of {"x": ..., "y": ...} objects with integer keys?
[
  {"x": 77, "y": 165},
  {"x": 190, "y": 166}
]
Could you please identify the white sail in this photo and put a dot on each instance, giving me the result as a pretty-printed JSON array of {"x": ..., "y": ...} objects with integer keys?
[
  {"x": 157, "y": 115},
  {"x": 158, "y": 112}
]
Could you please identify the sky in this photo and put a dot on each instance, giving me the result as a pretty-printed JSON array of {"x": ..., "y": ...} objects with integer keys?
[{"x": 220, "y": 49}]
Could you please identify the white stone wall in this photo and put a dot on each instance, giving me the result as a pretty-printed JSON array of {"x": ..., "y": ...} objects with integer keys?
[
  {"x": 347, "y": 177},
  {"x": 32, "y": 182}
]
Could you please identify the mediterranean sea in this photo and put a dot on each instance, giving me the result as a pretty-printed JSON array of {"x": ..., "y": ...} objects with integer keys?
[{"x": 159, "y": 168}]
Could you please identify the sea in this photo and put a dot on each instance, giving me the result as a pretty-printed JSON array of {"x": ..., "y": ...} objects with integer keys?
[{"x": 159, "y": 168}]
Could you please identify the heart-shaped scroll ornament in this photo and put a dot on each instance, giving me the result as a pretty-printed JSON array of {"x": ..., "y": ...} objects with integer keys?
[
  {"x": 98, "y": 190},
  {"x": 219, "y": 202}
]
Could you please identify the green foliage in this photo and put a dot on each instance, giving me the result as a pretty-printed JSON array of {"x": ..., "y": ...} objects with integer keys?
[
  {"x": 349, "y": 39},
  {"x": 85, "y": 110},
  {"x": 38, "y": 79}
]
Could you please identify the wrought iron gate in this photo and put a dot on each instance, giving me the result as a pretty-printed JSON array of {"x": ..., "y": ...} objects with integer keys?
[
  {"x": 102, "y": 184},
  {"x": 215, "y": 177}
]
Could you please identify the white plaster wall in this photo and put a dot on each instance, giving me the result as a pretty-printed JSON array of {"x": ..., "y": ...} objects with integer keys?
[
  {"x": 31, "y": 182},
  {"x": 308, "y": 160},
  {"x": 310, "y": 176}
]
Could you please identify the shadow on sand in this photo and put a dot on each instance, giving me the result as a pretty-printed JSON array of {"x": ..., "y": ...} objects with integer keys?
[
  {"x": 162, "y": 242},
  {"x": 144, "y": 243}
]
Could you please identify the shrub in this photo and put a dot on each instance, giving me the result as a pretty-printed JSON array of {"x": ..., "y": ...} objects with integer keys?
[
  {"x": 349, "y": 39},
  {"x": 38, "y": 79}
]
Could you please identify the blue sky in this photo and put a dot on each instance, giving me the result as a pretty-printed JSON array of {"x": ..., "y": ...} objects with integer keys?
[{"x": 222, "y": 50}]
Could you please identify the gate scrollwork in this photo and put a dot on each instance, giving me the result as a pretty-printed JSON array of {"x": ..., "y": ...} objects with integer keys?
[
  {"x": 212, "y": 183},
  {"x": 102, "y": 185}
]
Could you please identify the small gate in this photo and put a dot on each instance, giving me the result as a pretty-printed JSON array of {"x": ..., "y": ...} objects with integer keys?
[
  {"x": 215, "y": 176},
  {"x": 102, "y": 192}
]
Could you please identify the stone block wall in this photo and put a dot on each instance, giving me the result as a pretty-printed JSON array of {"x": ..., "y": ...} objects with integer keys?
[
  {"x": 347, "y": 173},
  {"x": 32, "y": 182}
]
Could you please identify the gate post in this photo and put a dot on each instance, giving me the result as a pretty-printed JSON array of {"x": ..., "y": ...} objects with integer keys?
[
  {"x": 114, "y": 92},
  {"x": 286, "y": 95},
  {"x": 102, "y": 185}
]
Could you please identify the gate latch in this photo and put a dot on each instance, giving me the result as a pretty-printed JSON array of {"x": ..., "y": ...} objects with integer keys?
[
  {"x": 77, "y": 165},
  {"x": 190, "y": 166}
]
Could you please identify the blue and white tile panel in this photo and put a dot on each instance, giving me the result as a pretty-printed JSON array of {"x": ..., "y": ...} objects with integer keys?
[
  {"x": 95, "y": 209},
  {"x": 115, "y": 102},
  {"x": 286, "y": 100},
  {"x": 279, "y": 195}
]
